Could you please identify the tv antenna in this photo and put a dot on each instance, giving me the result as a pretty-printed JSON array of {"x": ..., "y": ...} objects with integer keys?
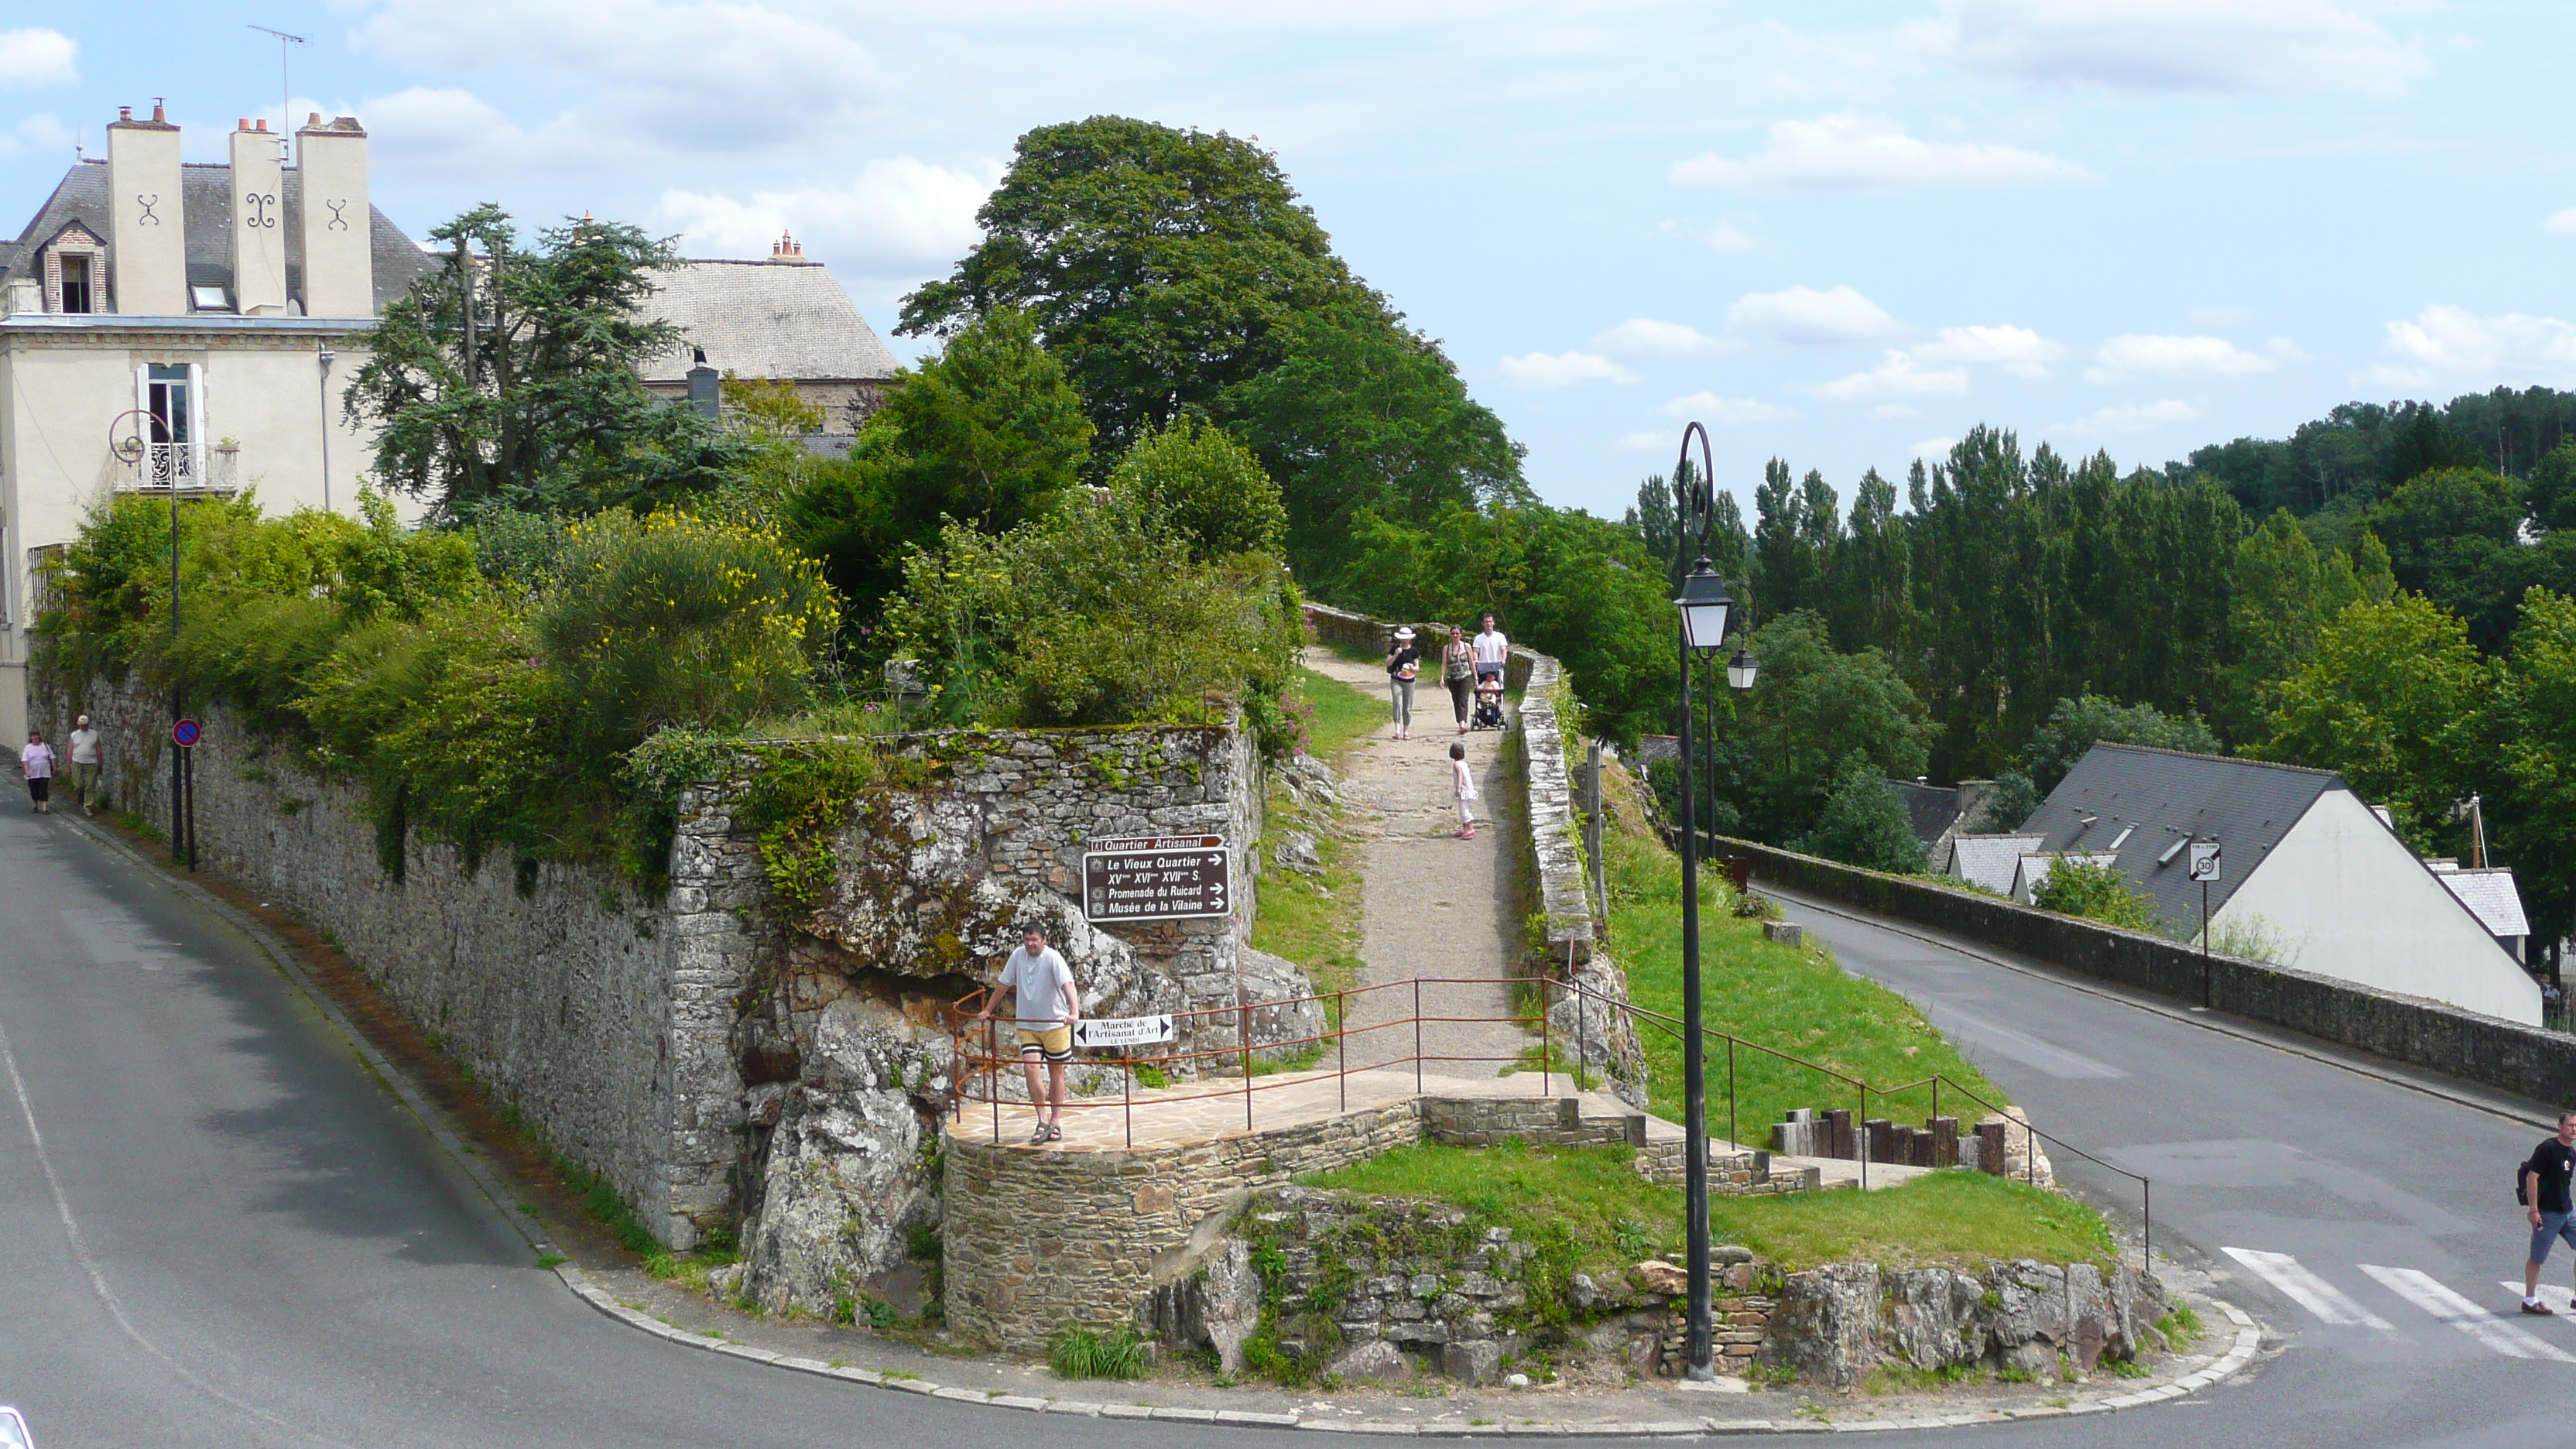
[{"x": 285, "y": 91}]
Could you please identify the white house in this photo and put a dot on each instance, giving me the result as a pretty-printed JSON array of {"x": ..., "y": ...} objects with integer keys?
[
  {"x": 2305, "y": 869},
  {"x": 181, "y": 327}
]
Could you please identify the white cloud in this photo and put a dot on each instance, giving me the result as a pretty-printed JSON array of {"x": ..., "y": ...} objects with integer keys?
[
  {"x": 898, "y": 217},
  {"x": 1807, "y": 316},
  {"x": 1563, "y": 369},
  {"x": 2225, "y": 47},
  {"x": 2133, "y": 417},
  {"x": 2017, "y": 350},
  {"x": 1852, "y": 152},
  {"x": 1646, "y": 337},
  {"x": 1897, "y": 375},
  {"x": 35, "y": 57},
  {"x": 1726, "y": 240},
  {"x": 2131, "y": 354},
  {"x": 2561, "y": 223},
  {"x": 39, "y": 132},
  {"x": 1933, "y": 448},
  {"x": 2453, "y": 343},
  {"x": 1708, "y": 407}
]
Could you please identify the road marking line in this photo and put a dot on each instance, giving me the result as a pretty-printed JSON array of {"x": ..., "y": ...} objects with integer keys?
[
  {"x": 2428, "y": 1293},
  {"x": 2309, "y": 1291}
]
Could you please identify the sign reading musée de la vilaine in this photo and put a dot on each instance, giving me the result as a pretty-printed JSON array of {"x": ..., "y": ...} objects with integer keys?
[{"x": 1156, "y": 878}]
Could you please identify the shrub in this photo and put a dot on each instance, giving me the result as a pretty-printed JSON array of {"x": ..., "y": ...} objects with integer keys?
[
  {"x": 2095, "y": 892},
  {"x": 1079, "y": 1353},
  {"x": 1205, "y": 486},
  {"x": 1864, "y": 824}
]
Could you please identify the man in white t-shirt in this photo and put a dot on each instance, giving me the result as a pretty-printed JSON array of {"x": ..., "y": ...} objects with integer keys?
[
  {"x": 1491, "y": 649},
  {"x": 1047, "y": 1006},
  {"x": 84, "y": 743}
]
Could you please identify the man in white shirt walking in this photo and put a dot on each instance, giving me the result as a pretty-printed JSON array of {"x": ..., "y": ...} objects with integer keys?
[
  {"x": 84, "y": 743},
  {"x": 1492, "y": 650},
  {"x": 1047, "y": 1005}
]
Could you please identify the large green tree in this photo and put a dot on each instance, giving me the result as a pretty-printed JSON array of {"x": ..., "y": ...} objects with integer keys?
[
  {"x": 2528, "y": 741},
  {"x": 1792, "y": 741},
  {"x": 507, "y": 377},
  {"x": 2390, "y": 699}
]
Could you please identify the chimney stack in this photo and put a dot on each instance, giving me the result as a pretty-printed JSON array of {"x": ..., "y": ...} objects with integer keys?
[
  {"x": 259, "y": 223},
  {"x": 335, "y": 219},
  {"x": 148, "y": 249},
  {"x": 785, "y": 249}
]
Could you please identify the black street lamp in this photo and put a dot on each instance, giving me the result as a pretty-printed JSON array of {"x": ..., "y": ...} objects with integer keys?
[{"x": 1704, "y": 607}]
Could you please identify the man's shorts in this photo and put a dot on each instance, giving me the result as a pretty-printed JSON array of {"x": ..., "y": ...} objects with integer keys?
[
  {"x": 2552, "y": 1225},
  {"x": 1056, "y": 1045}
]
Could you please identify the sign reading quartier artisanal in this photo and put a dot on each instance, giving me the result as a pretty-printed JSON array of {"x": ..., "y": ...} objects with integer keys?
[
  {"x": 1119, "y": 1031},
  {"x": 1156, "y": 878}
]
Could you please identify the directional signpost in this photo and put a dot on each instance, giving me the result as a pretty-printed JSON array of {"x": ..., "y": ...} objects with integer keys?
[
  {"x": 1156, "y": 878},
  {"x": 2202, "y": 865},
  {"x": 1121, "y": 1031}
]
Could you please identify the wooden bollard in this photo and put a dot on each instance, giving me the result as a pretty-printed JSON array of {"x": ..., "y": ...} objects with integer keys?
[
  {"x": 1945, "y": 1141},
  {"x": 1990, "y": 1148}
]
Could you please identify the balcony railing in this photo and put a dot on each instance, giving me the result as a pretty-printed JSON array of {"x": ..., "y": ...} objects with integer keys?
[{"x": 184, "y": 467}]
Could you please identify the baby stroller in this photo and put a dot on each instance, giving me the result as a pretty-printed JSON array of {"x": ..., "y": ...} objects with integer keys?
[{"x": 1489, "y": 704}]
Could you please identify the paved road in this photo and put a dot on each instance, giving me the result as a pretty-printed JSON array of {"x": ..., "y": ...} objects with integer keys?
[{"x": 2382, "y": 1217}]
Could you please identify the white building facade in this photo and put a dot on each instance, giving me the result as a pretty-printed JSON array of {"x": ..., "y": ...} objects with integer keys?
[{"x": 184, "y": 328}]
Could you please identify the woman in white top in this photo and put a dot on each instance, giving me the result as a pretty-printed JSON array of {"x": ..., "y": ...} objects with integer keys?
[{"x": 37, "y": 760}]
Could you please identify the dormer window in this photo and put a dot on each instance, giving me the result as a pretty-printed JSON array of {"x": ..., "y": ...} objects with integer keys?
[{"x": 79, "y": 294}]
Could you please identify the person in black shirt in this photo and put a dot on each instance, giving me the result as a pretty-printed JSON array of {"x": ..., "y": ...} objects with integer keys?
[
  {"x": 2546, "y": 1179},
  {"x": 1403, "y": 665}
]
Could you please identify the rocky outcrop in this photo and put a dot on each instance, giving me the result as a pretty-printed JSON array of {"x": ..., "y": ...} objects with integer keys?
[{"x": 1835, "y": 1323}]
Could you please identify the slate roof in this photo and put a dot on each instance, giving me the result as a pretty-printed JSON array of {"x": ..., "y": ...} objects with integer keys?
[
  {"x": 206, "y": 201},
  {"x": 1988, "y": 860},
  {"x": 1931, "y": 809},
  {"x": 766, "y": 319},
  {"x": 2491, "y": 896},
  {"x": 2160, "y": 797}
]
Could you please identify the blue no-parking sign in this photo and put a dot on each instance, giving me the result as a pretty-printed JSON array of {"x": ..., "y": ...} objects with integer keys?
[{"x": 186, "y": 733}]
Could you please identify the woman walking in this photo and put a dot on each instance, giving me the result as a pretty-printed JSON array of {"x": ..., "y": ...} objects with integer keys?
[
  {"x": 1403, "y": 663},
  {"x": 1466, "y": 788},
  {"x": 37, "y": 760},
  {"x": 1458, "y": 671}
]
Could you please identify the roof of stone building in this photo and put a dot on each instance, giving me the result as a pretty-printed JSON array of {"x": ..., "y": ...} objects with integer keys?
[
  {"x": 206, "y": 204},
  {"x": 2491, "y": 896},
  {"x": 1930, "y": 809},
  {"x": 1988, "y": 860},
  {"x": 2137, "y": 802},
  {"x": 776, "y": 319}
]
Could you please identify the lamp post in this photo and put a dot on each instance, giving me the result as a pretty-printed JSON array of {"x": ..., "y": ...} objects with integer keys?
[{"x": 1704, "y": 605}]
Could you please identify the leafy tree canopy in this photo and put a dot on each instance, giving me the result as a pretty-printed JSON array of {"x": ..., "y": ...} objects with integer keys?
[
  {"x": 507, "y": 377},
  {"x": 1864, "y": 824},
  {"x": 2390, "y": 700},
  {"x": 1206, "y": 486},
  {"x": 2077, "y": 725}
]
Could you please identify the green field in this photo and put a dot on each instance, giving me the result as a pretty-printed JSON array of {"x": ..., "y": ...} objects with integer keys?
[
  {"x": 1616, "y": 1217},
  {"x": 1791, "y": 999}
]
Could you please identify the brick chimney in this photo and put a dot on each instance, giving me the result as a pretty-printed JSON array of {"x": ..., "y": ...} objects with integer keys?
[
  {"x": 259, "y": 222},
  {"x": 334, "y": 219},
  {"x": 785, "y": 249},
  {"x": 147, "y": 241}
]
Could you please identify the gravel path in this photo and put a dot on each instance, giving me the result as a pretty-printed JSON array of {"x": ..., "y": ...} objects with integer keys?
[{"x": 1436, "y": 906}]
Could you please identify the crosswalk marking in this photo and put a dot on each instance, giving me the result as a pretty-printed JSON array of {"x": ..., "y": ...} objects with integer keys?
[
  {"x": 2309, "y": 1291},
  {"x": 2428, "y": 1293},
  {"x": 2556, "y": 1299}
]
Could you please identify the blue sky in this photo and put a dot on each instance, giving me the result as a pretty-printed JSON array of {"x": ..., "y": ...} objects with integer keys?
[{"x": 1838, "y": 233}]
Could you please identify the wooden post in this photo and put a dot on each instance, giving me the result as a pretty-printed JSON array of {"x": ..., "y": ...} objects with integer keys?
[
  {"x": 1945, "y": 1142},
  {"x": 1990, "y": 1148}
]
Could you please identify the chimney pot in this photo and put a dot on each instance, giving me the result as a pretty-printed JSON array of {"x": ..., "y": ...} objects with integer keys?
[
  {"x": 313, "y": 118},
  {"x": 261, "y": 124},
  {"x": 242, "y": 124},
  {"x": 157, "y": 117},
  {"x": 125, "y": 113}
]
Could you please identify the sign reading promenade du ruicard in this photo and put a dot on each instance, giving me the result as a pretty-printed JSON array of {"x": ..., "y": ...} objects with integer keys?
[{"x": 1155, "y": 878}]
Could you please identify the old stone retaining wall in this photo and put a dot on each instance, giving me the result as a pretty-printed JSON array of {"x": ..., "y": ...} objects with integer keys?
[{"x": 2525, "y": 1060}]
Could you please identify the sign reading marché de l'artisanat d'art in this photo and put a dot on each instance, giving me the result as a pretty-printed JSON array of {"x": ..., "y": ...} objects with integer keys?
[{"x": 1156, "y": 878}]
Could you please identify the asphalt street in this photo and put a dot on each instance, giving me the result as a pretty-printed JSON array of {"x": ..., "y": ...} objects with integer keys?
[
  {"x": 226, "y": 1231},
  {"x": 2382, "y": 1217}
]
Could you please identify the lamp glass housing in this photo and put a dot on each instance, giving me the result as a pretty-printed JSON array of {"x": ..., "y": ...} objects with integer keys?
[
  {"x": 1741, "y": 669},
  {"x": 1704, "y": 604}
]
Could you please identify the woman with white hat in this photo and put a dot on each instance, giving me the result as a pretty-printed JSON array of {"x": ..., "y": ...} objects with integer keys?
[{"x": 1403, "y": 663}]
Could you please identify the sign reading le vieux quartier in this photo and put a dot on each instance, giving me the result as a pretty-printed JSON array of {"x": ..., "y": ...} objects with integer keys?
[{"x": 1155, "y": 878}]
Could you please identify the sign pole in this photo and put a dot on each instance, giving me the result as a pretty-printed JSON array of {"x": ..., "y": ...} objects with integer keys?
[{"x": 2204, "y": 946}]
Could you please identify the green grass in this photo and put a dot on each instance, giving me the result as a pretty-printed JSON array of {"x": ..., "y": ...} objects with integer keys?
[
  {"x": 2180, "y": 1327},
  {"x": 1615, "y": 1217},
  {"x": 1079, "y": 1353},
  {"x": 1792, "y": 999},
  {"x": 1315, "y": 921}
]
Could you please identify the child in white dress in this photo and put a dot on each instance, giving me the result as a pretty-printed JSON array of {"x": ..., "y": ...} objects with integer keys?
[{"x": 1466, "y": 787}]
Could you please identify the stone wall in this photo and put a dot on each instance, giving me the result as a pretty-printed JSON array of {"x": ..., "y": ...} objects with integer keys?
[{"x": 2528, "y": 1061}]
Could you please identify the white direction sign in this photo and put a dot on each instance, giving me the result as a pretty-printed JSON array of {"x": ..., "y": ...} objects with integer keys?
[
  {"x": 1120, "y": 1031},
  {"x": 2203, "y": 861},
  {"x": 1156, "y": 878}
]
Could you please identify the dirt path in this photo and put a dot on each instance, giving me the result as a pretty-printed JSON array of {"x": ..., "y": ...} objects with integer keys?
[{"x": 1436, "y": 906}]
